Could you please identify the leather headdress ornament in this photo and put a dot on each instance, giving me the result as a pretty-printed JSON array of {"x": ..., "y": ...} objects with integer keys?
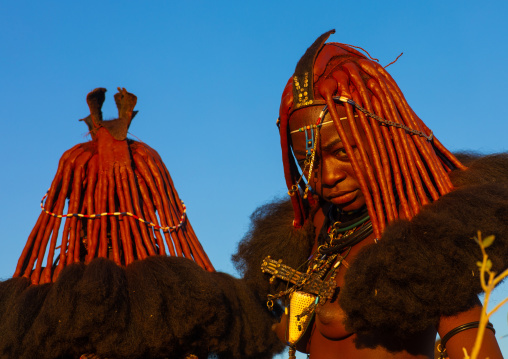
[{"x": 303, "y": 78}]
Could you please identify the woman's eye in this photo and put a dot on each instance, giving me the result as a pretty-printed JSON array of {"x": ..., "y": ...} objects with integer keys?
[{"x": 341, "y": 153}]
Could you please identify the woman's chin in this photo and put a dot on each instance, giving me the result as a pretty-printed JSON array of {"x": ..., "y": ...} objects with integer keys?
[{"x": 354, "y": 205}]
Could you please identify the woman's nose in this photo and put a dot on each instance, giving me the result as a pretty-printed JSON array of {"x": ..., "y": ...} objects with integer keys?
[{"x": 332, "y": 173}]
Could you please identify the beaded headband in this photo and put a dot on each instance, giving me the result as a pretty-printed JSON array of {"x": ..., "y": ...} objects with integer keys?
[{"x": 368, "y": 114}]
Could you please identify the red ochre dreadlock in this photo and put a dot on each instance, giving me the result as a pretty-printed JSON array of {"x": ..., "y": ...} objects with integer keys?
[
  {"x": 395, "y": 158},
  {"x": 121, "y": 197}
]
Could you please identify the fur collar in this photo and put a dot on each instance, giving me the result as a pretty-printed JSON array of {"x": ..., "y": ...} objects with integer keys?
[{"x": 426, "y": 268}]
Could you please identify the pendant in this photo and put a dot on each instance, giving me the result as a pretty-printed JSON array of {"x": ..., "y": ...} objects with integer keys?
[{"x": 298, "y": 323}]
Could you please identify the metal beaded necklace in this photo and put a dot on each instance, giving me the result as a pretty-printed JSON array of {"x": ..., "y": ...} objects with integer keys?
[{"x": 317, "y": 284}]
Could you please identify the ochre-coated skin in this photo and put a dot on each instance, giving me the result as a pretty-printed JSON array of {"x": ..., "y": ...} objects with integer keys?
[
  {"x": 329, "y": 339},
  {"x": 334, "y": 181},
  {"x": 333, "y": 178}
]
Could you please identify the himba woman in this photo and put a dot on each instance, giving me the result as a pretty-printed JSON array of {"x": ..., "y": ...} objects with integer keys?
[
  {"x": 391, "y": 213},
  {"x": 372, "y": 257}
]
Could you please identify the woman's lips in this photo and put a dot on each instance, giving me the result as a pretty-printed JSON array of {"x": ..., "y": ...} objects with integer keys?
[{"x": 343, "y": 197}]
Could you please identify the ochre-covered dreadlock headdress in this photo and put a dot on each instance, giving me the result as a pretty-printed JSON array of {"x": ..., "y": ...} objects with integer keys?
[
  {"x": 122, "y": 203},
  {"x": 406, "y": 167}
]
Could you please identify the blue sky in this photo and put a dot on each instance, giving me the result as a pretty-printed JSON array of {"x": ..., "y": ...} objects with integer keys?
[{"x": 209, "y": 75}]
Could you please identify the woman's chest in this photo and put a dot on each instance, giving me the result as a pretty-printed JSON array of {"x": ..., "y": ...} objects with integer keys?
[{"x": 329, "y": 316}]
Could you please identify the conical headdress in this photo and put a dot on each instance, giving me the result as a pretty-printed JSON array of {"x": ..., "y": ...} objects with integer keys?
[{"x": 119, "y": 198}]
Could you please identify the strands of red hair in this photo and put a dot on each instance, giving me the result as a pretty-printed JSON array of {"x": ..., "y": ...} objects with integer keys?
[
  {"x": 403, "y": 171},
  {"x": 106, "y": 175}
]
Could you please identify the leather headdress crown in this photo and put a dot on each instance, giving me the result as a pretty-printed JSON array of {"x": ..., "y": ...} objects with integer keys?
[{"x": 303, "y": 78}]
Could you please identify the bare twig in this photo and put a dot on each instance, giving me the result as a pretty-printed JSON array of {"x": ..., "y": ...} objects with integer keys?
[{"x": 488, "y": 286}]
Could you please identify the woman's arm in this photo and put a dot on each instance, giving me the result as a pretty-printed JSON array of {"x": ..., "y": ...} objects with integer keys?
[{"x": 466, "y": 338}]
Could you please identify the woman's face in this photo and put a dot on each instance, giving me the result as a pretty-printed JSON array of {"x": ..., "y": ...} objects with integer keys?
[{"x": 333, "y": 177}]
